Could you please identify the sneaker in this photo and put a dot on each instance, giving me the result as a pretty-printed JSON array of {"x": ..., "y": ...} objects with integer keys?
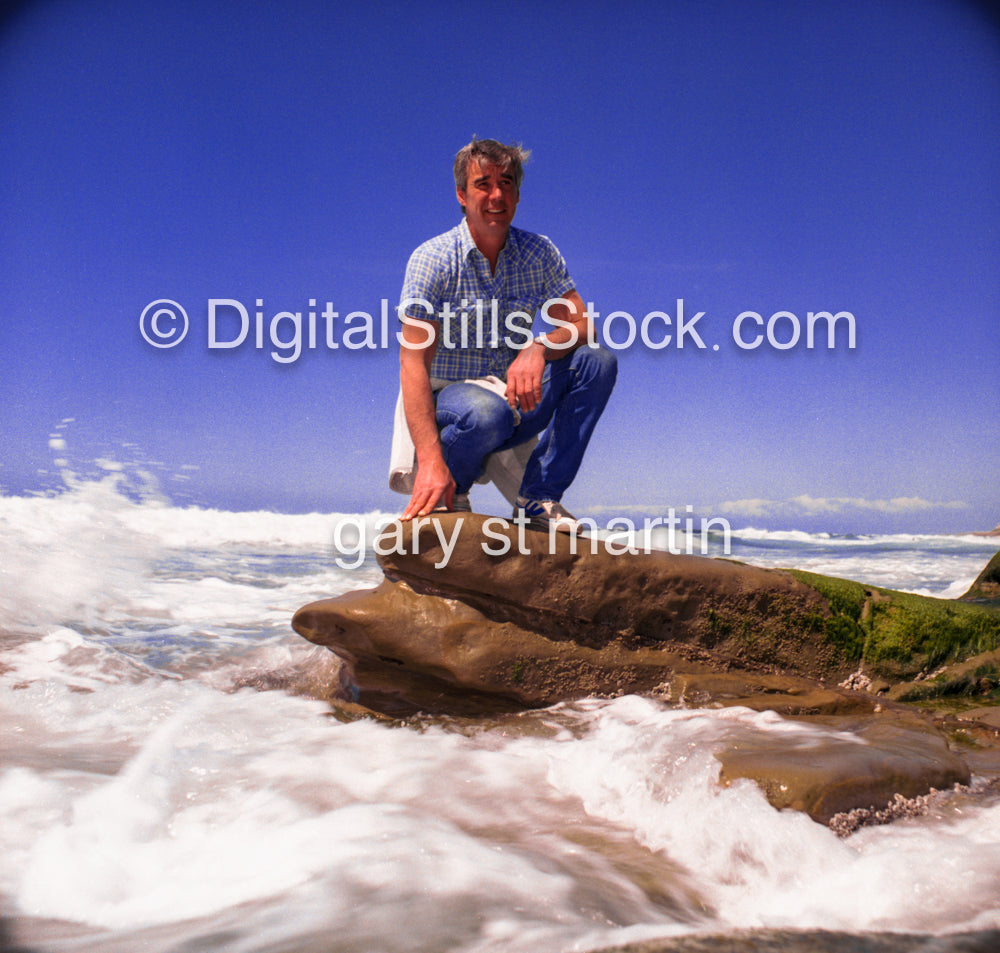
[
  {"x": 547, "y": 514},
  {"x": 460, "y": 503}
]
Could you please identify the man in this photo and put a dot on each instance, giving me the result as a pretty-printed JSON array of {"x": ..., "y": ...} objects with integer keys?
[{"x": 473, "y": 381}]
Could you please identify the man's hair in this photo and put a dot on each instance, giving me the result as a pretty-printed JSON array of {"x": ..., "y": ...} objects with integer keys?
[{"x": 509, "y": 158}]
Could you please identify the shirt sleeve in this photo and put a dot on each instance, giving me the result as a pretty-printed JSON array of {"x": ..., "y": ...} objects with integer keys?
[
  {"x": 556, "y": 275},
  {"x": 423, "y": 286}
]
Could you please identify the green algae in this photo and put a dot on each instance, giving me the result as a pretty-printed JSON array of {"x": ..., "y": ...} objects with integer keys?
[{"x": 900, "y": 634}]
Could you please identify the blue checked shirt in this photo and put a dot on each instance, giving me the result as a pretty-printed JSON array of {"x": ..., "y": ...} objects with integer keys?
[{"x": 484, "y": 320}]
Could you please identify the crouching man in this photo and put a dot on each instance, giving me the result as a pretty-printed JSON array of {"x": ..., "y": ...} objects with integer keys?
[{"x": 474, "y": 384}]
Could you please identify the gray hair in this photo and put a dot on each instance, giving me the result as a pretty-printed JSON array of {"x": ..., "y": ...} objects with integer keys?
[{"x": 509, "y": 158}]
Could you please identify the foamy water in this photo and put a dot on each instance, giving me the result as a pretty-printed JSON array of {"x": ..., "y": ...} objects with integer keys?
[{"x": 164, "y": 786}]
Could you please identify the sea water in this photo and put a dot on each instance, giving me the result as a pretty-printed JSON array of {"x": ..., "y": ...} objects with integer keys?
[{"x": 168, "y": 784}]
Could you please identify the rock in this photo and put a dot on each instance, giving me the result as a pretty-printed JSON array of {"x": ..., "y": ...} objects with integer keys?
[
  {"x": 988, "y": 716},
  {"x": 986, "y": 588},
  {"x": 481, "y": 628},
  {"x": 476, "y": 613},
  {"x": 867, "y": 765},
  {"x": 480, "y": 613},
  {"x": 813, "y": 941},
  {"x": 969, "y": 678},
  {"x": 477, "y": 616}
]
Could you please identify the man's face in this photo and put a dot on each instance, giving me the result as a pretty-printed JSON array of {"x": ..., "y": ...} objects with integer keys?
[{"x": 490, "y": 198}]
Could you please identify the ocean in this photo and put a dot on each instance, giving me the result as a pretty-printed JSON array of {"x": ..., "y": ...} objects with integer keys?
[{"x": 168, "y": 784}]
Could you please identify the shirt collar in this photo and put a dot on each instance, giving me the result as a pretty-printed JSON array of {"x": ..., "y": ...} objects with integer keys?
[{"x": 511, "y": 247}]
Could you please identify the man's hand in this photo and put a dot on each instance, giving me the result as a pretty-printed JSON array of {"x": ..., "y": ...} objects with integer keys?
[
  {"x": 572, "y": 328},
  {"x": 524, "y": 378},
  {"x": 431, "y": 484}
]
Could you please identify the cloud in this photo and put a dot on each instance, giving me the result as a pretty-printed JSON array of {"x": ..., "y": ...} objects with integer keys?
[
  {"x": 637, "y": 509},
  {"x": 803, "y": 506},
  {"x": 806, "y": 505}
]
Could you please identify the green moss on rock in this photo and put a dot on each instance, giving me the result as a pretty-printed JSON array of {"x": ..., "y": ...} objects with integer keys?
[
  {"x": 847, "y": 634},
  {"x": 899, "y": 634}
]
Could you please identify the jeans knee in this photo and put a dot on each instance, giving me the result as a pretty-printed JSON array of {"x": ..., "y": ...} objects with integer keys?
[
  {"x": 597, "y": 365},
  {"x": 471, "y": 409}
]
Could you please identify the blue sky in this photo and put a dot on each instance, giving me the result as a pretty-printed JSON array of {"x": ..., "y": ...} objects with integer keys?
[{"x": 739, "y": 155}]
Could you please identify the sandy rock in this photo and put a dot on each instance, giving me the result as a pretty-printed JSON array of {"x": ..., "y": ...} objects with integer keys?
[
  {"x": 465, "y": 615},
  {"x": 866, "y": 765},
  {"x": 479, "y": 616}
]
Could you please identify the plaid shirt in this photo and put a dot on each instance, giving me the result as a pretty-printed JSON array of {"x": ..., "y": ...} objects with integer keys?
[{"x": 491, "y": 316}]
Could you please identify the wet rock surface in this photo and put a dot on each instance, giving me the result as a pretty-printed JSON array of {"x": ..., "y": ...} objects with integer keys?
[
  {"x": 540, "y": 623},
  {"x": 867, "y": 762},
  {"x": 480, "y": 616}
]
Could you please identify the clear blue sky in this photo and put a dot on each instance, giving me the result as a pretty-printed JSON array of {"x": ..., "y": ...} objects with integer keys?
[{"x": 740, "y": 155}]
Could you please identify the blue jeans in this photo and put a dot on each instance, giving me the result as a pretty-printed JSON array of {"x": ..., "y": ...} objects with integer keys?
[{"x": 475, "y": 422}]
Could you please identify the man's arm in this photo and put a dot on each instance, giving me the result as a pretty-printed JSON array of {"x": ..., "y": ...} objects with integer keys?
[
  {"x": 433, "y": 478},
  {"x": 524, "y": 376}
]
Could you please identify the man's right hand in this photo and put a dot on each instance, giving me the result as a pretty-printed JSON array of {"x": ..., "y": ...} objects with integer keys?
[{"x": 433, "y": 484}]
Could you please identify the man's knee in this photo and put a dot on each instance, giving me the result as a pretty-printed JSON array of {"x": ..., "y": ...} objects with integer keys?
[
  {"x": 597, "y": 366},
  {"x": 470, "y": 408}
]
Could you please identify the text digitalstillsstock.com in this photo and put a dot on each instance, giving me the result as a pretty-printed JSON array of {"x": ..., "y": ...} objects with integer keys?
[
  {"x": 229, "y": 324},
  {"x": 621, "y": 535}
]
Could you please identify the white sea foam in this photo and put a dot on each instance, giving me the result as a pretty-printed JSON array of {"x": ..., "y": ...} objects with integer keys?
[
  {"x": 91, "y": 557},
  {"x": 139, "y": 787},
  {"x": 651, "y": 770},
  {"x": 515, "y": 833},
  {"x": 934, "y": 565}
]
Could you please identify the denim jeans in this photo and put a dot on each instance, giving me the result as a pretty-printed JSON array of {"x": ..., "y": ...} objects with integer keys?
[{"x": 475, "y": 422}]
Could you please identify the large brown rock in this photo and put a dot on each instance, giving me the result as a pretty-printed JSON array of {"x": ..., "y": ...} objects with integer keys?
[{"x": 479, "y": 614}]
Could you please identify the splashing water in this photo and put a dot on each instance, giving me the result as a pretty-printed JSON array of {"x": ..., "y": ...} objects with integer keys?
[{"x": 154, "y": 793}]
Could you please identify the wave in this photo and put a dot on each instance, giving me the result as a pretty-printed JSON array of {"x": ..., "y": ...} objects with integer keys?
[
  {"x": 585, "y": 825},
  {"x": 93, "y": 557},
  {"x": 750, "y": 534},
  {"x": 99, "y": 552}
]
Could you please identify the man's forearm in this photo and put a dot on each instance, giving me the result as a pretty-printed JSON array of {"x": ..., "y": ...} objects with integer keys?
[
  {"x": 571, "y": 327},
  {"x": 433, "y": 481},
  {"x": 418, "y": 405}
]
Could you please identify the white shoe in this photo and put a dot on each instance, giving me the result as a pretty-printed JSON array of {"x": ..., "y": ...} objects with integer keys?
[{"x": 547, "y": 514}]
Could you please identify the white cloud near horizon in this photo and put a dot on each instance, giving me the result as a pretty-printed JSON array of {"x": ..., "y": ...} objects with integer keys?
[
  {"x": 806, "y": 505},
  {"x": 803, "y": 505}
]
